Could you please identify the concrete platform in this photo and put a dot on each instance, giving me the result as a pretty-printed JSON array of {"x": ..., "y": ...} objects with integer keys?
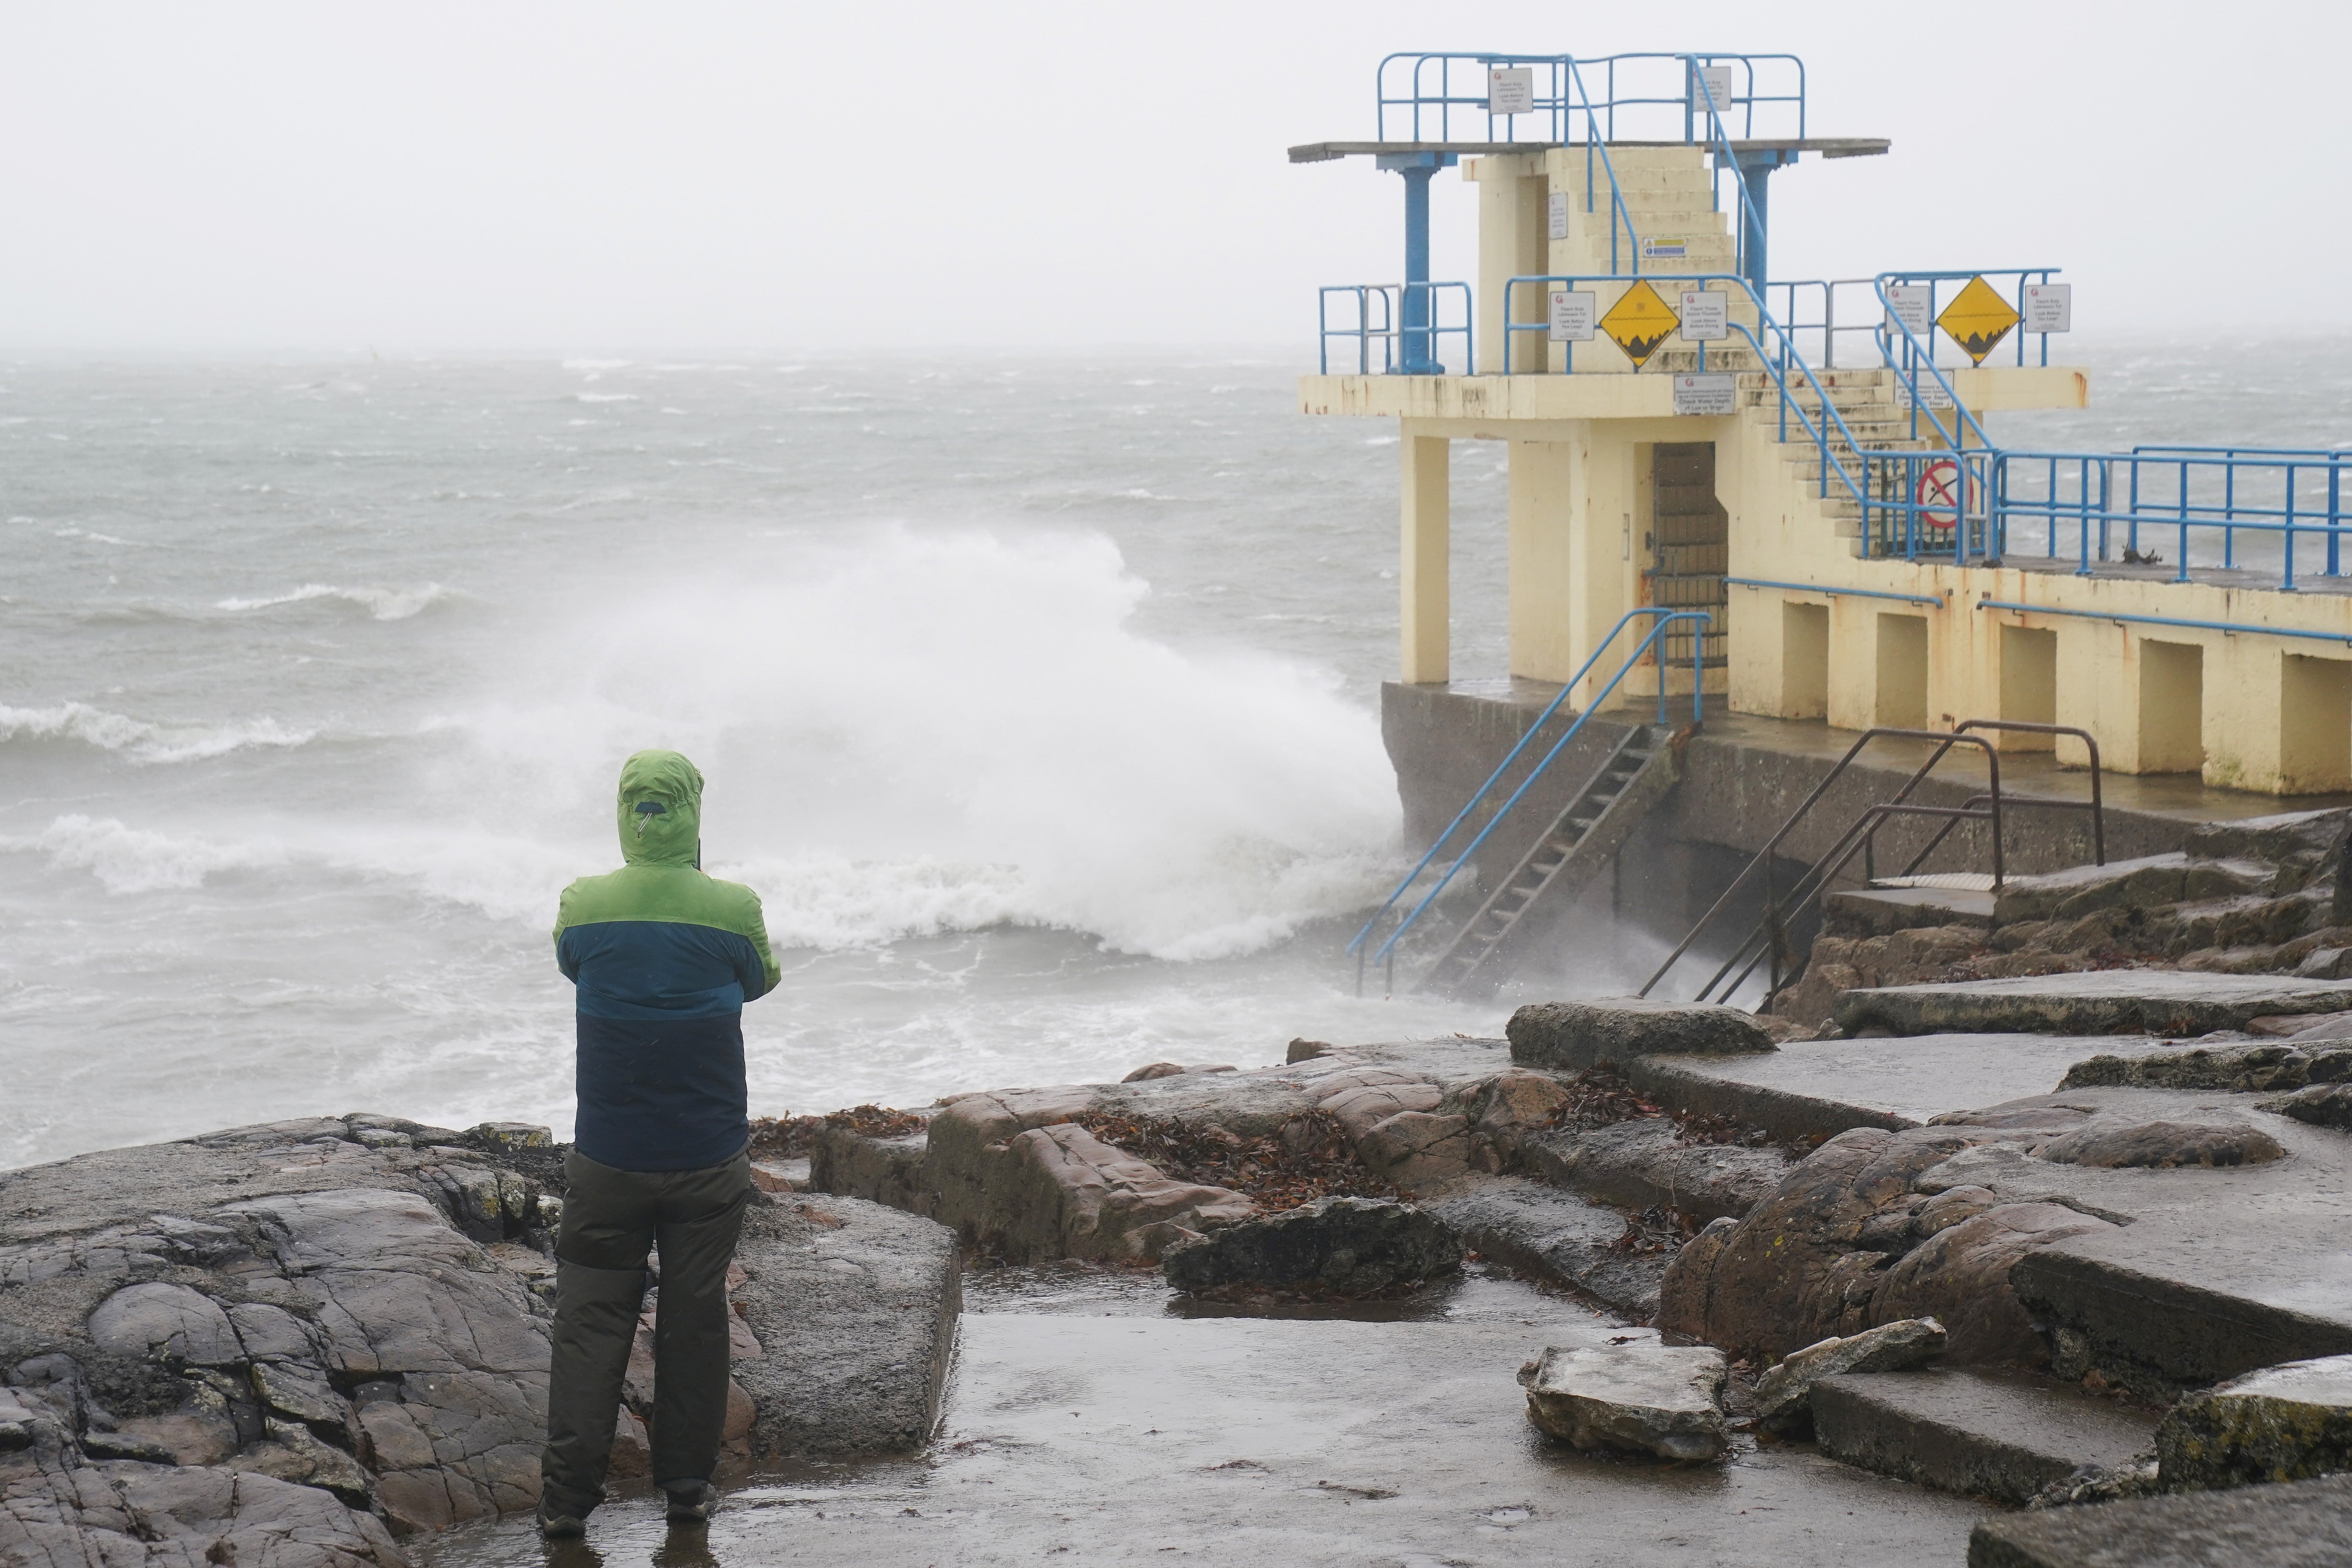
[
  {"x": 1985, "y": 1432},
  {"x": 1822, "y": 1088},
  {"x": 2100, "y": 1002},
  {"x": 2306, "y": 1524},
  {"x": 1136, "y": 1438}
]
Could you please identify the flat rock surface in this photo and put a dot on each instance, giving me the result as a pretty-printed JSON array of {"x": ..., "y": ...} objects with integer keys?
[
  {"x": 2283, "y": 1423},
  {"x": 1134, "y": 1439},
  {"x": 1827, "y": 1086},
  {"x": 1988, "y": 1432},
  {"x": 2306, "y": 1525},
  {"x": 2098, "y": 1002}
]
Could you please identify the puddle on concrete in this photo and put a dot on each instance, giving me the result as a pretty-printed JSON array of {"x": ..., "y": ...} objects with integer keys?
[{"x": 1090, "y": 1419}]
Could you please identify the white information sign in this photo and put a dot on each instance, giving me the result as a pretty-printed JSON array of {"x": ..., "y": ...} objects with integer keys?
[
  {"x": 1706, "y": 315},
  {"x": 1571, "y": 316},
  {"x": 1510, "y": 89},
  {"x": 2049, "y": 306},
  {"x": 1556, "y": 215},
  {"x": 1718, "y": 84},
  {"x": 1709, "y": 394},
  {"x": 1909, "y": 304},
  {"x": 1931, "y": 393}
]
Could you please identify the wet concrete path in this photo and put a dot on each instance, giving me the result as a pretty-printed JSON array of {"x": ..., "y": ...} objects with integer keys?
[{"x": 1091, "y": 1421}]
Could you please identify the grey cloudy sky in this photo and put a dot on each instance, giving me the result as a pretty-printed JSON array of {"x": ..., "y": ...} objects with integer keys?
[{"x": 437, "y": 176}]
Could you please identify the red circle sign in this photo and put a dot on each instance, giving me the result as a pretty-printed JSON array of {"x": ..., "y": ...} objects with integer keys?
[{"x": 1937, "y": 495}]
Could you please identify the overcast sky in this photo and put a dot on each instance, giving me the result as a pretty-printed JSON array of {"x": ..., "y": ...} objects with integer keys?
[{"x": 511, "y": 175}]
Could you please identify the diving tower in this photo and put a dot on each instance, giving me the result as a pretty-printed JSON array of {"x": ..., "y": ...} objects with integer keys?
[{"x": 1804, "y": 462}]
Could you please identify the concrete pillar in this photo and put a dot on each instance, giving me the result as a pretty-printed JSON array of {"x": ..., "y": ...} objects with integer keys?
[
  {"x": 1542, "y": 504},
  {"x": 1600, "y": 546},
  {"x": 1422, "y": 583},
  {"x": 1512, "y": 224}
]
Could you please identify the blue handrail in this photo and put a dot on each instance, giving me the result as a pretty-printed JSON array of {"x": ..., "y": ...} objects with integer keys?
[
  {"x": 1389, "y": 328},
  {"x": 1666, "y": 617},
  {"x": 1592, "y": 142},
  {"x": 1752, "y": 222}
]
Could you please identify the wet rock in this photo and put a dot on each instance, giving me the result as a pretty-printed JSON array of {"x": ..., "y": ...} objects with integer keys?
[
  {"x": 1636, "y": 1164},
  {"x": 2301, "y": 1525},
  {"x": 2161, "y": 1145},
  {"x": 1647, "y": 1398},
  {"x": 2322, "y": 1105},
  {"x": 294, "y": 1453},
  {"x": 849, "y": 1361},
  {"x": 1346, "y": 1246},
  {"x": 1061, "y": 1192},
  {"x": 1171, "y": 1070},
  {"x": 2236, "y": 1068},
  {"x": 1890, "y": 1347},
  {"x": 1306, "y": 1050},
  {"x": 1960, "y": 1276},
  {"x": 1572, "y": 1035},
  {"x": 1547, "y": 1234},
  {"x": 2283, "y": 1423},
  {"x": 166, "y": 1322},
  {"x": 1416, "y": 1149},
  {"x": 124, "y": 1513},
  {"x": 513, "y": 1135},
  {"x": 1796, "y": 1269}
]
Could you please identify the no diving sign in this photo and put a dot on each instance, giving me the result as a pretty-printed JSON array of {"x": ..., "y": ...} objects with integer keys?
[{"x": 1710, "y": 393}]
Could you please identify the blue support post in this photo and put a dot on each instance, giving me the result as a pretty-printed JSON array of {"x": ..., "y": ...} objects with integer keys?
[
  {"x": 1756, "y": 168},
  {"x": 1415, "y": 356}
]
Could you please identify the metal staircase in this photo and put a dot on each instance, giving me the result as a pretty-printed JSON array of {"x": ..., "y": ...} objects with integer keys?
[
  {"x": 1580, "y": 843},
  {"x": 1583, "y": 838}
]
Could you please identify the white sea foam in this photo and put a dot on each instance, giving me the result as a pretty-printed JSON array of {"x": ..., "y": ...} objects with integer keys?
[
  {"x": 382, "y": 603},
  {"x": 935, "y": 732},
  {"x": 134, "y": 860},
  {"x": 604, "y": 396},
  {"x": 140, "y": 740}
]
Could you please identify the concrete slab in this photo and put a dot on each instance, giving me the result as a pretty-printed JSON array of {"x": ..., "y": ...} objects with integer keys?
[
  {"x": 1985, "y": 1432},
  {"x": 2215, "y": 1272},
  {"x": 1557, "y": 1237},
  {"x": 1822, "y": 1088},
  {"x": 1132, "y": 1439},
  {"x": 2306, "y": 1524},
  {"x": 2098, "y": 1001}
]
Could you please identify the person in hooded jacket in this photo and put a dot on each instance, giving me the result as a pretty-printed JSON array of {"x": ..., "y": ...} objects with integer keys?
[{"x": 664, "y": 957}]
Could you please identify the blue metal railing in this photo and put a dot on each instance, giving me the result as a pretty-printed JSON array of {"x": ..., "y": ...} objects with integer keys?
[
  {"x": 1666, "y": 617},
  {"x": 1380, "y": 317},
  {"x": 1747, "y": 232},
  {"x": 2127, "y": 503},
  {"x": 1443, "y": 97}
]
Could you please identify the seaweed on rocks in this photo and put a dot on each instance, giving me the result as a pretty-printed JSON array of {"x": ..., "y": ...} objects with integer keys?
[
  {"x": 795, "y": 1137},
  {"x": 1305, "y": 1158}
]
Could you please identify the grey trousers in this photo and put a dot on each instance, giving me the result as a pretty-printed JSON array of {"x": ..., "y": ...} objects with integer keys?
[{"x": 611, "y": 1219}]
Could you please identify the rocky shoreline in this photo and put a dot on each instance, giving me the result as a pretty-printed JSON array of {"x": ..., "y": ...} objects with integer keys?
[{"x": 308, "y": 1341}]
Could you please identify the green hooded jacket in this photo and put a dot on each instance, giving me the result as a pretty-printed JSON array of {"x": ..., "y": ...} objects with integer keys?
[{"x": 660, "y": 939}]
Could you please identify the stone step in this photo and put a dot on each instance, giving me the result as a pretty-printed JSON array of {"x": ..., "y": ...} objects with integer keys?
[
  {"x": 2117, "y": 1001},
  {"x": 1636, "y": 1164},
  {"x": 1556, "y": 1236},
  {"x": 2001, "y": 1432},
  {"x": 1812, "y": 1089},
  {"x": 2283, "y": 1526}
]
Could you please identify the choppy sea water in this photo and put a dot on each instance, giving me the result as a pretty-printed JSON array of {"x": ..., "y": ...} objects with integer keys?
[{"x": 1037, "y": 698}]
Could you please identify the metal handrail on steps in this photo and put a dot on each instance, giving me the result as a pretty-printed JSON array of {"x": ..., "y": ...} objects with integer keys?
[
  {"x": 1769, "y": 931},
  {"x": 1667, "y": 617}
]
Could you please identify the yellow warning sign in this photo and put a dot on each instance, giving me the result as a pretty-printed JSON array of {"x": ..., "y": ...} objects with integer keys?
[
  {"x": 1978, "y": 319},
  {"x": 1639, "y": 321}
]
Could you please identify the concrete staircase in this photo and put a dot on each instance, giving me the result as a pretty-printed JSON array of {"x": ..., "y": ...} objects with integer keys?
[{"x": 1869, "y": 403}]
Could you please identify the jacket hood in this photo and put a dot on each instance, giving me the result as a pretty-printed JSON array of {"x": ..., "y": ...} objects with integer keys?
[{"x": 660, "y": 810}]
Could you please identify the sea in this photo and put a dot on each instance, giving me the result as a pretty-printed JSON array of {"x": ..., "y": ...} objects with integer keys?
[{"x": 1038, "y": 698}]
